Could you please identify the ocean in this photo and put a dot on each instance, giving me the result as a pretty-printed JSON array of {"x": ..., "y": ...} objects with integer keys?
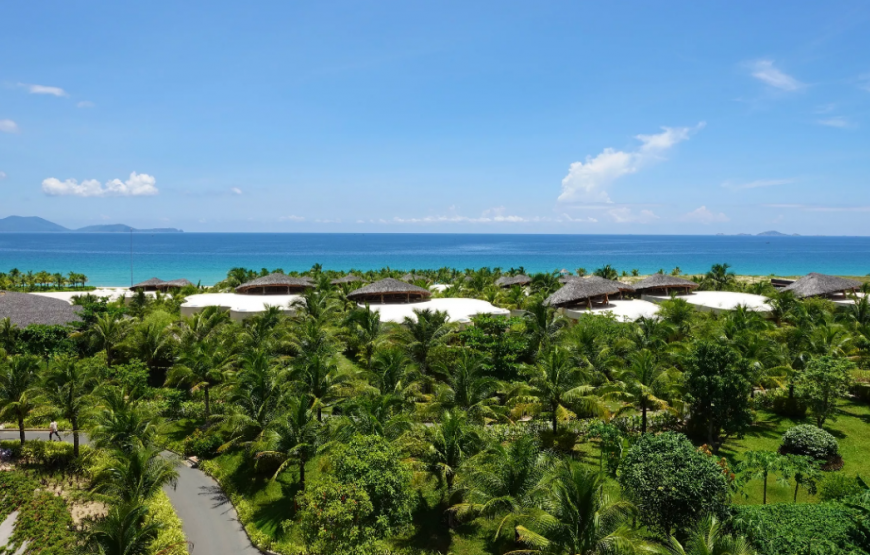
[{"x": 106, "y": 258}]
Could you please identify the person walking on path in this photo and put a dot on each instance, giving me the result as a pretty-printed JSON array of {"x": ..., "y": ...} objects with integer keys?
[{"x": 52, "y": 430}]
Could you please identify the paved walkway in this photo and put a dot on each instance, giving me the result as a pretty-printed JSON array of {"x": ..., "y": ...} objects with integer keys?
[{"x": 207, "y": 516}]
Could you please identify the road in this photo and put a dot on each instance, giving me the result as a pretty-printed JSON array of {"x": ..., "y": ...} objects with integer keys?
[{"x": 209, "y": 520}]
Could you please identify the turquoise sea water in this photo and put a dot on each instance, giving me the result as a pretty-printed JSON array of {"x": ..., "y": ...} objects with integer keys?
[{"x": 106, "y": 257}]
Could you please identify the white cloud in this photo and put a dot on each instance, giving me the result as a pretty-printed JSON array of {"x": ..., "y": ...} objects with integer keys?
[
  {"x": 8, "y": 126},
  {"x": 85, "y": 104},
  {"x": 236, "y": 190},
  {"x": 702, "y": 215},
  {"x": 836, "y": 121},
  {"x": 625, "y": 215},
  {"x": 139, "y": 184},
  {"x": 291, "y": 218},
  {"x": 43, "y": 89},
  {"x": 767, "y": 73},
  {"x": 758, "y": 183},
  {"x": 327, "y": 221},
  {"x": 2, "y": 176},
  {"x": 568, "y": 218},
  {"x": 588, "y": 181}
]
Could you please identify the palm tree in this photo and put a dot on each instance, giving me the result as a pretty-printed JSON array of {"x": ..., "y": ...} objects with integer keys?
[
  {"x": 318, "y": 377},
  {"x": 545, "y": 284},
  {"x": 390, "y": 371},
  {"x": 107, "y": 333},
  {"x": 543, "y": 326},
  {"x": 293, "y": 437},
  {"x": 374, "y": 415},
  {"x": 504, "y": 481},
  {"x": 422, "y": 335},
  {"x": 135, "y": 476},
  {"x": 254, "y": 397},
  {"x": 644, "y": 384},
  {"x": 152, "y": 344},
  {"x": 366, "y": 332},
  {"x": 67, "y": 387},
  {"x": 719, "y": 278},
  {"x": 607, "y": 272},
  {"x": 202, "y": 325},
  {"x": 121, "y": 423},
  {"x": 469, "y": 388},
  {"x": 8, "y": 335},
  {"x": 18, "y": 381},
  {"x": 202, "y": 366},
  {"x": 578, "y": 517},
  {"x": 758, "y": 465},
  {"x": 708, "y": 539},
  {"x": 125, "y": 531},
  {"x": 554, "y": 384},
  {"x": 451, "y": 442}
]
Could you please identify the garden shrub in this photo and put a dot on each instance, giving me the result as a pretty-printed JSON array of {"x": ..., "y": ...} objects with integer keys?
[
  {"x": 43, "y": 340},
  {"x": 170, "y": 539},
  {"x": 797, "y": 528},
  {"x": 673, "y": 484},
  {"x": 202, "y": 444},
  {"x": 838, "y": 486},
  {"x": 336, "y": 518},
  {"x": 809, "y": 441}
]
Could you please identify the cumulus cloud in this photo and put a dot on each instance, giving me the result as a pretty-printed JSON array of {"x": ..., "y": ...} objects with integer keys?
[
  {"x": 758, "y": 183},
  {"x": 702, "y": 215},
  {"x": 625, "y": 215},
  {"x": 139, "y": 184},
  {"x": 8, "y": 126},
  {"x": 766, "y": 72},
  {"x": 291, "y": 218},
  {"x": 43, "y": 89},
  {"x": 85, "y": 104},
  {"x": 836, "y": 121},
  {"x": 588, "y": 181},
  {"x": 236, "y": 191}
]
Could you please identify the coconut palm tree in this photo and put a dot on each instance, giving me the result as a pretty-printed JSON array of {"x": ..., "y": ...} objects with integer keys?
[
  {"x": 578, "y": 517},
  {"x": 8, "y": 335},
  {"x": 468, "y": 388},
  {"x": 136, "y": 475},
  {"x": 254, "y": 398},
  {"x": 390, "y": 372},
  {"x": 645, "y": 384},
  {"x": 318, "y": 377},
  {"x": 607, "y": 272},
  {"x": 151, "y": 343},
  {"x": 555, "y": 383},
  {"x": 293, "y": 437},
  {"x": 452, "y": 441},
  {"x": 504, "y": 481},
  {"x": 422, "y": 335},
  {"x": 544, "y": 326},
  {"x": 202, "y": 366},
  {"x": 719, "y": 278},
  {"x": 121, "y": 423},
  {"x": 374, "y": 415},
  {"x": 67, "y": 388},
  {"x": 366, "y": 333},
  {"x": 126, "y": 530},
  {"x": 202, "y": 325},
  {"x": 106, "y": 334},
  {"x": 18, "y": 389},
  {"x": 708, "y": 538}
]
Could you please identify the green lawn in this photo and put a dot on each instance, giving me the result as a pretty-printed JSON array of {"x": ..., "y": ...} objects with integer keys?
[{"x": 851, "y": 430}]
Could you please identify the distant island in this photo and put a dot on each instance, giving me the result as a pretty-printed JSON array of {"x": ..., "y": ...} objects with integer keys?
[
  {"x": 764, "y": 234},
  {"x": 34, "y": 224}
]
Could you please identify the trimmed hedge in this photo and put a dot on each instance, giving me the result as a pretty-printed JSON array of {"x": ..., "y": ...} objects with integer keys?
[
  {"x": 810, "y": 441},
  {"x": 797, "y": 528},
  {"x": 170, "y": 540}
]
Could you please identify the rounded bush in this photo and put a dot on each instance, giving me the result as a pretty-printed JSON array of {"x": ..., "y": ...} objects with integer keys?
[{"x": 810, "y": 441}]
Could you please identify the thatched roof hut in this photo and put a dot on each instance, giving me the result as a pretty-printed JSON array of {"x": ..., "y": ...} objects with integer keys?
[
  {"x": 24, "y": 309},
  {"x": 413, "y": 277},
  {"x": 147, "y": 285},
  {"x": 661, "y": 284},
  {"x": 173, "y": 284},
  {"x": 820, "y": 285},
  {"x": 623, "y": 287},
  {"x": 583, "y": 291},
  {"x": 349, "y": 278},
  {"x": 510, "y": 281},
  {"x": 389, "y": 290},
  {"x": 275, "y": 284}
]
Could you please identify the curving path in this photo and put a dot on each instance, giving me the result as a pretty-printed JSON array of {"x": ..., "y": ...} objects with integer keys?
[{"x": 209, "y": 519}]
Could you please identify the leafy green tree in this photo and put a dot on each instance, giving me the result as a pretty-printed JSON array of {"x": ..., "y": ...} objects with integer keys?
[
  {"x": 673, "y": 485},
  {"x": 374, "y": 465},
  {"x": 293, "y": 437},
  {"x": 468, "y": 387},
  {"x": 804, "y": 471},
  {"x": 718, "y": 384},
  {"x": 708, "y": 538},
  {"x": 107, "y": 333},
  {"x": 822, "y": 384},
  {"x": 336, "y": 518},
  {"x": 500, "y": 341},
  {"x": 67, "y": 388},
  {"x": 18, "y": 389},
  {"x": 579, "y": 517},
  {"x": 759, "y": 465}
]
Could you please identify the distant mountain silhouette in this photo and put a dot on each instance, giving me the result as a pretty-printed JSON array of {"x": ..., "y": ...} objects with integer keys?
[
  {"x": 774, "y": 234},
  {"x": 35, "y": 224}
]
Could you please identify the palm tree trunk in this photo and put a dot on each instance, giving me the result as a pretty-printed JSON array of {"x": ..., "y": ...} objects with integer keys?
[
  {"x": 21, "y": 428},
  {"x": 764, "y": 495},
  {"x": 207, "y": 402},
  {"x": 75, "y": 430},
  {"x": 555, "y": 422},
  {"x": 643, "y": 419},
  {"x": 302, "y": 473},
  {"x": 320, "y": 414},
  {"x": 797, "y": 486}
]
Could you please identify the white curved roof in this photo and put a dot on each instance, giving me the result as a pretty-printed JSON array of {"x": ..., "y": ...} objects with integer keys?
[
  {"x": 113, "y": 293},
  {"x": 623, "y": 310},
  {"x": 458, "y": 310},
  {"x": 239, "y": 303},
  {"x": 724, "y": 300}
]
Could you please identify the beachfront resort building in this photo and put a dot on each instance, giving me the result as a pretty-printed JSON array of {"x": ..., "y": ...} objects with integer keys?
[
  {"x": 520, "y": 280},
  {"x": 834, "y": 288},
  {"x": 597, "y": 295},
  {"x": 253, "y": 297}
]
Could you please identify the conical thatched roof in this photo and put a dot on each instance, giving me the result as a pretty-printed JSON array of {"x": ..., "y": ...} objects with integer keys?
[
  {"x": 179, "y": 283},
  {"x": 147, "y": 284},
  {"x": 23, "y": 310},
  {"x": 817, "y": 285},
  {"x": 349, "y": 278},
  {"x": 388, "y": 287},
  {"x": 662, "y": 281},
  {"x": 510, "y": 281},
  {"x": 276, "y": 281},
  {"x": 624, "y": 287},
  {"x": 578, "y": 290}
]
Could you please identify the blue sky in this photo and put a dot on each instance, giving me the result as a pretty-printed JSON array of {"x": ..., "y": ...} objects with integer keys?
[{"x": 395, "y": 116}]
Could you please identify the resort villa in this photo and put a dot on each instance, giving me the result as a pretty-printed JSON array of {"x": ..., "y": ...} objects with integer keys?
[
  {"x": 253, "y": 297},
  {"x": 833, "y": 288},
  {"x": 24, "y": 309},
  {"x": 597, "y": 295},
  {"x": 659, "y": 288}
]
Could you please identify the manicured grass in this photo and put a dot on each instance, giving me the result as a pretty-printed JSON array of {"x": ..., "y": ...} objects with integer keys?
[{"x": 851, "y": 430}]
